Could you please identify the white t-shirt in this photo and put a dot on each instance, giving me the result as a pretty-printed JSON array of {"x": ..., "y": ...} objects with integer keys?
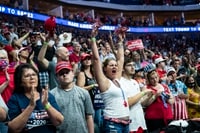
[{"x": 131, "y": 88}]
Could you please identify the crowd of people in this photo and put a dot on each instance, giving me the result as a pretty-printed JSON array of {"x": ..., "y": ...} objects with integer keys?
[
  {"x": 86, "y": 16},
  {"x": 86, "y": 81},
  {"x": 153, "y": 2}
]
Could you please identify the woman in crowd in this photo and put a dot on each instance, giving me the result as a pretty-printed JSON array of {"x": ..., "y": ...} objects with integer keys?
[
  {"x": 193, "y": 101},
  {"x": 6, "y": 76},
  {"x": 87, "y": 80},
  {"x": 158, "y": 111},
  {"x": 24, "y": 56},
  {"x": 32, "y": 109},
  {"x": 116, "y": 116}
]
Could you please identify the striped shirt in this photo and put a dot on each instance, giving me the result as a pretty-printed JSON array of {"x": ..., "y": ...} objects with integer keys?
[{"x": 179, "y": 108}]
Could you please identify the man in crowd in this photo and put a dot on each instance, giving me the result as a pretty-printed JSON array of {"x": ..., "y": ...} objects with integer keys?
[
  {"x": 74, "y": 102},
  {"x": 179, "y": 91},
  {"x": 135, "y": 96},
  {"x": 61, "y": 53}
]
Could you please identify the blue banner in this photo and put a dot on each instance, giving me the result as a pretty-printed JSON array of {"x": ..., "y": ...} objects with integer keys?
[{"x": 41, "y": 17}]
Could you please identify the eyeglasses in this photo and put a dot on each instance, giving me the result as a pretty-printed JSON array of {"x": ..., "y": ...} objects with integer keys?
[
  {"x": 2, "y": 58},
  {"x": 62, "y": 73},
  {"x": 30, "y": 75}
]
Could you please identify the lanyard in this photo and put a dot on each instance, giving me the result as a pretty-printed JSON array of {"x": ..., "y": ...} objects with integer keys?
[{"x": 118, "y": 85}]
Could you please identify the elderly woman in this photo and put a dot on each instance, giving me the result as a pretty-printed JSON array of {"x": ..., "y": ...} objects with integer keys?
[
  {"x": 32, "y": 109},
  {"x": 25, "y": 55},
  {"x": 6, "y": 76}
]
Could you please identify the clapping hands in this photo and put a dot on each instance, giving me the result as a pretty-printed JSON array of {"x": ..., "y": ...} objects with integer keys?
[{"x": 45, "y": 95}]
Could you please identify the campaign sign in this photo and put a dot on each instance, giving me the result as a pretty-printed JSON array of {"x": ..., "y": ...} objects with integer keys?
[{"x": 134, "y": 45}]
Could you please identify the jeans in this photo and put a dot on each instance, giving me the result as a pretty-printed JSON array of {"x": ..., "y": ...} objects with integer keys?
[
  {"x": 3, "y": 128},
  {"x": 98, "y": 119},
  {"x": 112, "y": 127}
]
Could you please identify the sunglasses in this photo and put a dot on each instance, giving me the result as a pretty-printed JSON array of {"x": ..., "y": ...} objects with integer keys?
[{"x": 63, "y": 72}]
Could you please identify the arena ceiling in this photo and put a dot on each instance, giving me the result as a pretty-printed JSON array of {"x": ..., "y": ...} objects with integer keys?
[{"x": 43, "y": 6}]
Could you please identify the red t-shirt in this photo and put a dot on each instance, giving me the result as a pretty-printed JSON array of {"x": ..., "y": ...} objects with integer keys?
[
  {"x": 157, "y": 110},
  {"x": 6, "y": 94},
  {"x": 74, "y": 58},
  {"x": 161, "y": 73}
]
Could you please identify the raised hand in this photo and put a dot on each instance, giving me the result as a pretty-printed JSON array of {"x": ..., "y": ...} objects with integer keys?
[
  {"x": 45, "y": 95},
  {"x": 33, "y": 97},
  {"x": 43, "y": 38},
  {"x": 94, "y": 31},
  {"x": 7, "y": 75},
  {"x": 120, "y": 37}
]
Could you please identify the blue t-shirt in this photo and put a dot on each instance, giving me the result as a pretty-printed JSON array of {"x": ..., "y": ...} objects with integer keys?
[
  {"x": 38, "y": 121},
  {"x": 177, "y": 87}
]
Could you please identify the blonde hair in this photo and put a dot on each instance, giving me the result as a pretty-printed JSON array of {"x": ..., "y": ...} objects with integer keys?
[
  {"x": 4, "y": 52},
  {"x": 149, "y": 74}
]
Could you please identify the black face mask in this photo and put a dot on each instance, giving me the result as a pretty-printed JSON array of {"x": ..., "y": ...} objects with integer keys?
[{"x": 191, "y": 85}]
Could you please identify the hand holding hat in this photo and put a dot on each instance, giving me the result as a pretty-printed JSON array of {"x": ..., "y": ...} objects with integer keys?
[{"x": 50, "y": 25}]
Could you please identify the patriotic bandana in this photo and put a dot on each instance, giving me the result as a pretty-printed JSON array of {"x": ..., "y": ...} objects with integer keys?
[{"x": 3, "y": 64}]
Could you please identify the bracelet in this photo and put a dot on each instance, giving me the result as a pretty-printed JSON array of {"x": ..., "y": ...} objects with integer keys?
[
  {"x": 92, "y": 85},
  {"x": 120, "y": 45},
  {"x": 31, "y": 62},
  {"x": 143, "y": 93},
  {"x": 153, "y": 97},
  {"x": 93, "y": 39},
  {"x": 47, "y": 106},
  {"x": 45, "y": 43}
]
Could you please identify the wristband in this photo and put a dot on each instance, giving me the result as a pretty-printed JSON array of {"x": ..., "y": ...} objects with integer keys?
[
  {"x": 154, "y": 97},
  {"x": 120, "y": 45},
  {"x": 93, "y": 39},
  {"x": 92, "y": 85},
  {"x": 45, "y": 43},
  {"x": 143, "y": 93},
  {"x": 47, "y": 106}
]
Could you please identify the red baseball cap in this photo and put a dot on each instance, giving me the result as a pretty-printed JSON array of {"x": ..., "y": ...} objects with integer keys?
[
  {"x": 25, "y": 48},
  {"x": 63, "y": 65},
  {"x": 84, "y": 55}
]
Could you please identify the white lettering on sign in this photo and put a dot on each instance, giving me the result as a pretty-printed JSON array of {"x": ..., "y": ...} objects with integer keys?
[{"x": 73, "y": 24}]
